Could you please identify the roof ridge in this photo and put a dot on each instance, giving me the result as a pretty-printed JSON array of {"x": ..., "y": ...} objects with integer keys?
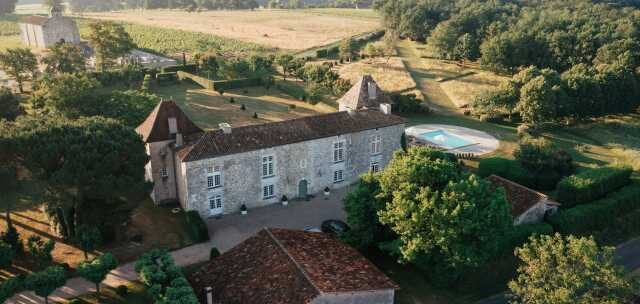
[
  {"x": 298, "y": 266},
  {"x": 519, "y": 185}
]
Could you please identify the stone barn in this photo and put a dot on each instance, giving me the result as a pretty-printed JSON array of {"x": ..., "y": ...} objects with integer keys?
[{"x": 43, "y": 32}]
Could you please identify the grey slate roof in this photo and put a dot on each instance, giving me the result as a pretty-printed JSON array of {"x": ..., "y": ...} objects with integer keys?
[{"x": 256, "y": 137}]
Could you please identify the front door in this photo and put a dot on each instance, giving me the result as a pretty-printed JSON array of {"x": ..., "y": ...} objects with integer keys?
[
  {"x": 302, "y": 189},
  {"x": 215, "y": 205}
]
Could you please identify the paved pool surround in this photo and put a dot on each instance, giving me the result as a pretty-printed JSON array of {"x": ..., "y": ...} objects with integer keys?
[{"x": 480, "y": 142}]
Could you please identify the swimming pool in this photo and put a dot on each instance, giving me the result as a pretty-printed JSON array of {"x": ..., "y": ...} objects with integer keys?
[{"x": 445, "y": 139}]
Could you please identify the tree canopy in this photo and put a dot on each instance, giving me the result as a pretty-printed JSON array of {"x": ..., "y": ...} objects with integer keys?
[
  {"x": 563, "y": 270},
  {"x": 65, "y": 58},
  {"x": 19, "y": 63},
  {"x": 89, "y": 166},
  {"x": 109, "y": 41}
]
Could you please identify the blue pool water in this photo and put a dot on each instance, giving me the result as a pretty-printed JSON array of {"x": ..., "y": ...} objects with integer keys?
[{"x": 445, "y": 139}]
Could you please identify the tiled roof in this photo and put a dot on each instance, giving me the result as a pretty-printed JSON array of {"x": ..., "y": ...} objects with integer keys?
[
  {"x": 156, "y": 127},
  {"x": 37, "y": 20},
  {"x": 520, "y": 197},
  {"x": 358, "y": 96},
  {"x": 256, "y": 137},
  {"x": 287, "y": 267}
]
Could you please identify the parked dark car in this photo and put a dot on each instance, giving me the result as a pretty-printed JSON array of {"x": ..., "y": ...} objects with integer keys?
[{"x": 335, "y": 227}]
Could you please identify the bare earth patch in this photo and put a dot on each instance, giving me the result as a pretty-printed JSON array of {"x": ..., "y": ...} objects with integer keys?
[
  {"x": 391, "y": 75},
  {"x": 285, "y": 29}
]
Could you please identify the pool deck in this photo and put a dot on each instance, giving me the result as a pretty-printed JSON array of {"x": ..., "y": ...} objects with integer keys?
[{"x": 482, "y": 142}]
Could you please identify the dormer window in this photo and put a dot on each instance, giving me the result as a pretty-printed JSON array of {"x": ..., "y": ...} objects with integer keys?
[{"x": 173, "y": 125}]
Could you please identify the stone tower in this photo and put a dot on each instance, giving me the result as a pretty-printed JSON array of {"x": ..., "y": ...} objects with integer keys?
[{"x": 164, "y": 130}]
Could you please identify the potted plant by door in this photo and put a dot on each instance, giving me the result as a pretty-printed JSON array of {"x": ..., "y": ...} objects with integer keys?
[
  {"x": 327, "y": 192},
  {"x": 285, "y": 200},
  {"x": 243, "y": 209}
]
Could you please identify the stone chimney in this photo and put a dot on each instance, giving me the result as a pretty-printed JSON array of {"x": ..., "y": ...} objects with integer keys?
[
  {"x": 179, "y": 140},
  {"x": 209, "y": 294},
  {"x": 385, "y": 108},
  {"x": 225, "y": 127}
]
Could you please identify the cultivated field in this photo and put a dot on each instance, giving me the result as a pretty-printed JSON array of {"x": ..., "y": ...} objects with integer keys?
[
  {"x": 285, "y": 29},
  {"x": 207, "y": 108}
]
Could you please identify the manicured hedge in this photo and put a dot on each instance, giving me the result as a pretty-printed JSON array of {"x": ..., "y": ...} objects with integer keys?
[
  {"x": 322, "y": 53},
  {"x": 507, "y": 168},
  {"x": 191, "y": 68},
  {"x": 167, "y": 77},
  {"x": 164, "y": 279},
  {"x": 592, "y": 184},
  {"x": 622, "y": 229},
  {"x": 521, "y": 233},
  {"x": 226, "y": 85},
  {"x": 10, "y": 287},
  {"x": 196, "y": 227},
  {"x": 595, "y": 216}
]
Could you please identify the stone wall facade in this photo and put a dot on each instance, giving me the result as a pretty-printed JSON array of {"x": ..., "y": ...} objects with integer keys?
[
  {"x": 53, "y": 31},
  {"x": 309, "y": 162},
  {"x": 161, "y": 160},
  {"x": 362, "y": 297}
]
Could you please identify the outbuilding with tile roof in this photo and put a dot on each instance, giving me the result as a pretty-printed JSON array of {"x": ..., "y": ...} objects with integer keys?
[
  {"x": 280, "y": 266},
  {"x": 527, "y": 205}
]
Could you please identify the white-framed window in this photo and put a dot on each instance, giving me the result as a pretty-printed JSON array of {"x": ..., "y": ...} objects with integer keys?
[
  {"x": 164, "y": 173},
  {"x": 338, "y": 151},
  {"x": 375, "y": 167},
  {"x": 338, "y": 176},
  {"x": 214, "y": 177},
  {"x": 215, "y": 202},
  {"x": 268, "y": 191},
  {"x": 376, "y": 143},
  {"x": 268, "y": 165}
]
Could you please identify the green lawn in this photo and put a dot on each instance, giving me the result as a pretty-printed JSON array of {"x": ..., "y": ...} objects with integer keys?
[{"x": 207, "y": 108}]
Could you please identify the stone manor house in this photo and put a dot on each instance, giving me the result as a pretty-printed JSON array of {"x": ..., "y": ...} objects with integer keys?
[{"x": 216, "y": 172}]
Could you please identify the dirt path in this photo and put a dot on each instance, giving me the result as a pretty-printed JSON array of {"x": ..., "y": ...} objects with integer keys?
[{"x": 426, "y": 82}]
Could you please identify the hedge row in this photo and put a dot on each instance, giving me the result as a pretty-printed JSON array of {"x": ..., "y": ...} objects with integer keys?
[
  {"x": 592, "y": 184},
  {"x": 11, "y": 286},
  {"x": 520, "y": 234},
  {"x": 225, "y": 85},
  {"x": 334, "y": 50},
  {"x": 595, "y": 216},
  {"x": 168, "y": 77},
  {"x": 190, "y": 68},
  {"x": 220, "y": 85},
  {"x": 622, "y": 229},
  {"x": 509, "y": 169},
  {"x": 196, "y": 227}
]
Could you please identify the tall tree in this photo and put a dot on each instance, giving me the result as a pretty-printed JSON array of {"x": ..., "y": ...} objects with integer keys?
[
  {"x": 97, "y": 270},
  {"x": 451, "y": 230},
  {"x": 285, "y": 61},
  {"x": 45, "y": 282},
  {"x": 10, "y": 107},
  {"x": 20, "y": 63},
  {"x": 109, "y": 41},
  {"x": 69, "y": 94},
  {"x": 88, "y": 238},
  {"x": 346, "y": 48},
  {"x": 65, "y": 58},
  {"x": 90, "y": 167},
  {"x": 563, "y": 270},
  {"x": 8, "y": 185}
]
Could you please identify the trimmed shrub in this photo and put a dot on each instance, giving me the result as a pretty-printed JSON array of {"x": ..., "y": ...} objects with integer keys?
[
  {"x": 592, "y": 184},
  {"x": 509, "y": 169},
  {"x": 170, "y": 77},
  {"x": 214, "y": 253},
  {"x": 10, "y": 287},
  {"x": 196, "y": 227},
  {"x": 622, "y": 229},
  {"x": 122, "y": 290},
  {"x": 521, "y": 234},
  {"x": 6, "y": 254},
  {"x": 190, "y": 68},
  {"x": 595, "y": 216}
]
